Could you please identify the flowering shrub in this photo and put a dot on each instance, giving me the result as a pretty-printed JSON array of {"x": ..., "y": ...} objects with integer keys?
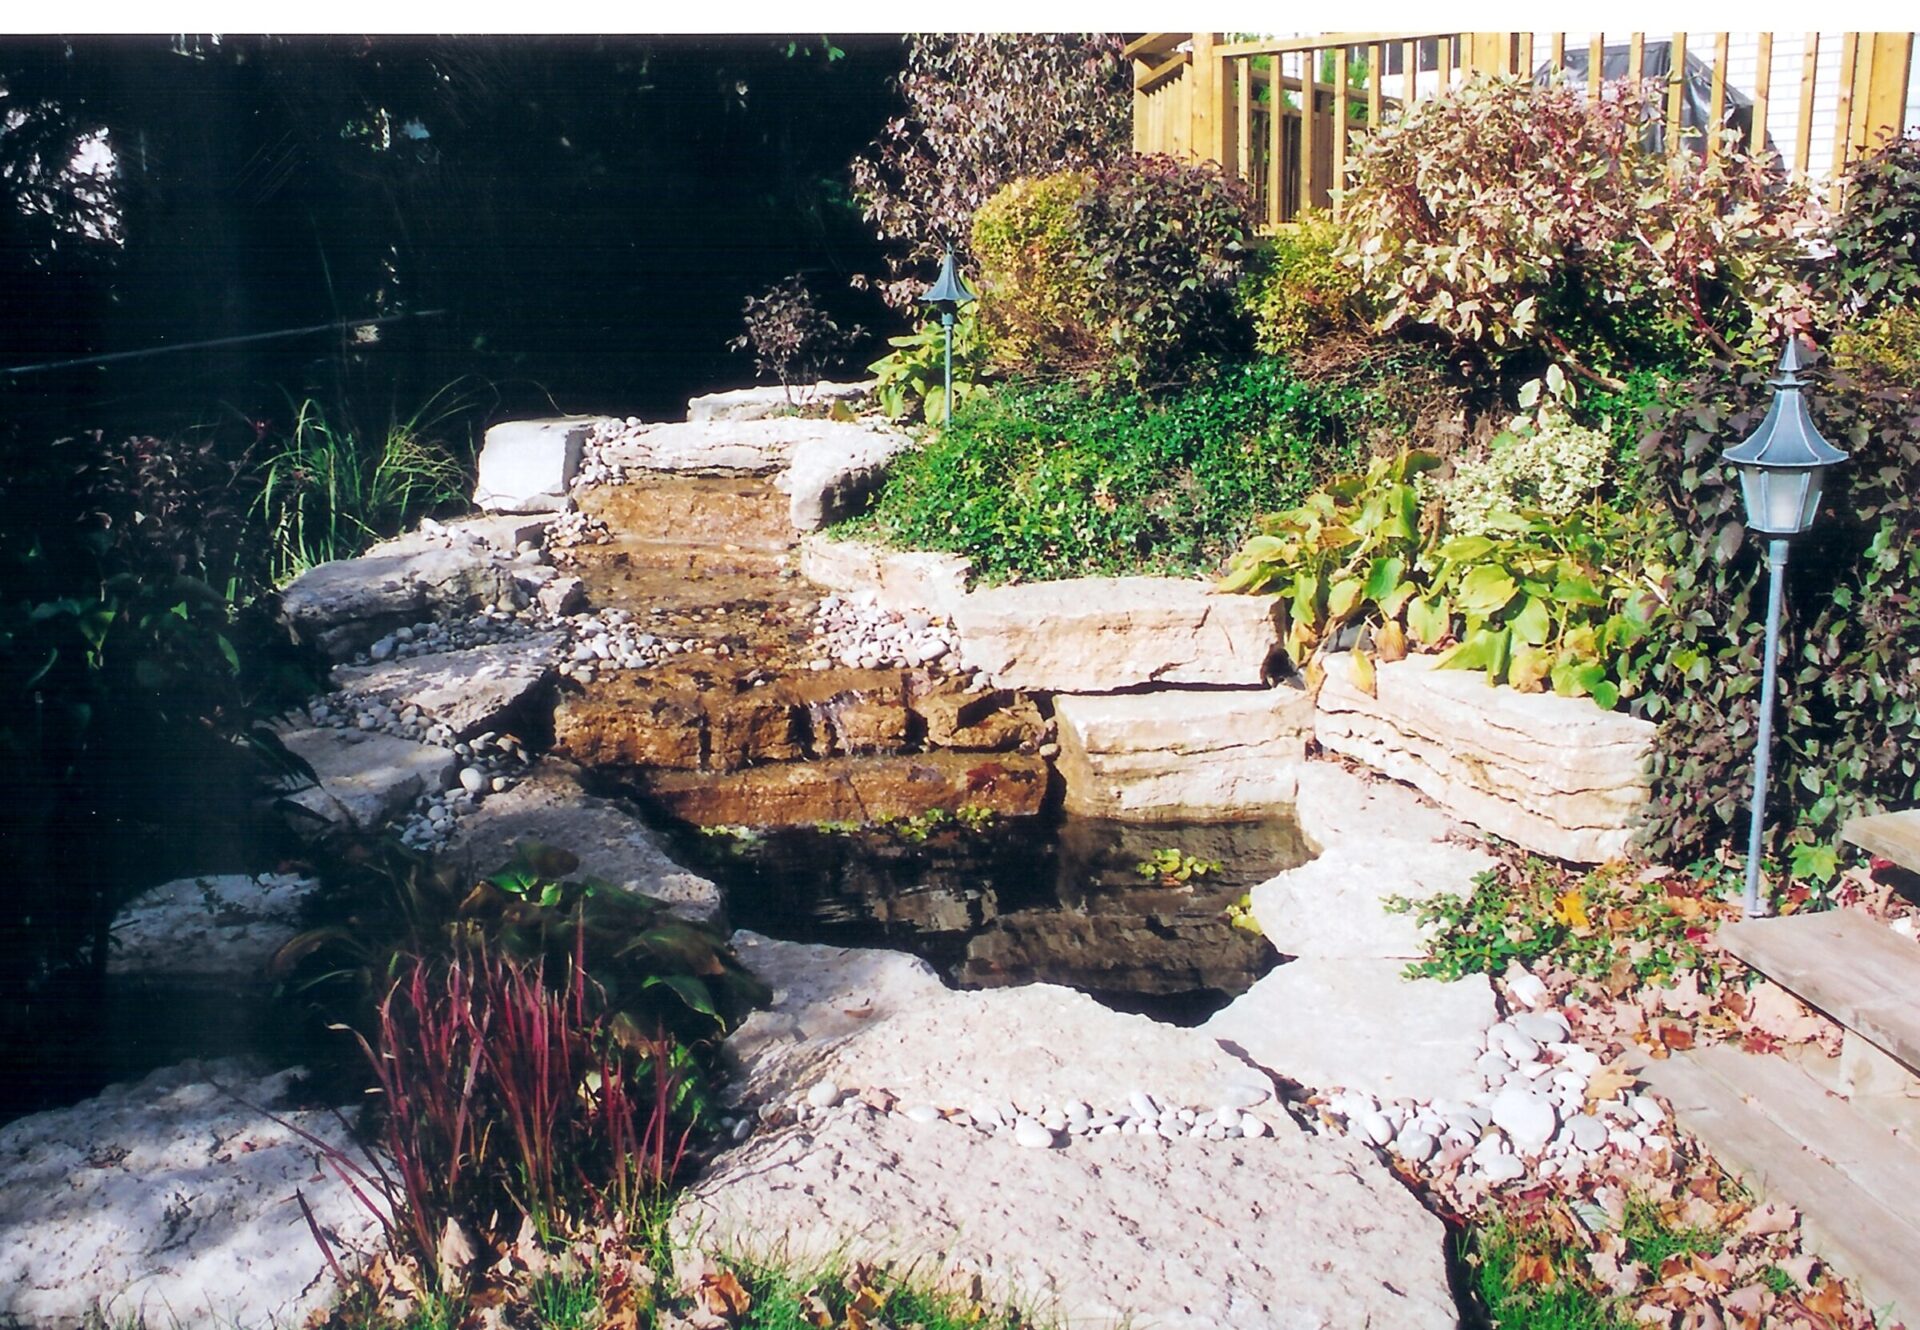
[
  {"x": 1583, "y": 243},
  {"x": 1550, "y": 466},
  {"x": 1127, "y": 272},
  {"x": 1876, "y": 239}
]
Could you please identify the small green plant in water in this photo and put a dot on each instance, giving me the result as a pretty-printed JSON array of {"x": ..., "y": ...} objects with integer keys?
[{"x": 1170, "y": 865}]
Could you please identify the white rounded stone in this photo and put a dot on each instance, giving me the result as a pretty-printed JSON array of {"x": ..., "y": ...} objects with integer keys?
[{"x": 1527, "y": 1118}]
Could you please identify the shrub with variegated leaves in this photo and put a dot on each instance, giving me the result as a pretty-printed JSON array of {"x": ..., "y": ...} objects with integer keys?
[{"x": 1513, "y": 217}]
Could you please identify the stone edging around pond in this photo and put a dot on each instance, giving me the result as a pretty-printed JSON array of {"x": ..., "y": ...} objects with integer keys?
[{"x": 1553, "y": 774}]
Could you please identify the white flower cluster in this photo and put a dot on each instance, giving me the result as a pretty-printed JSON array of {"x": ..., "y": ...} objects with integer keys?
[{"x": 1553, "y": 466}]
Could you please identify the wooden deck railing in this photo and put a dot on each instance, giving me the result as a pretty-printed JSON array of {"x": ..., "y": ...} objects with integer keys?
[{"x": 1286, "y": 114}]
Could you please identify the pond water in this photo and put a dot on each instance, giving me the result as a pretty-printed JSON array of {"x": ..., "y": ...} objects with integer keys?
[{"x": 1031, "y": 899}]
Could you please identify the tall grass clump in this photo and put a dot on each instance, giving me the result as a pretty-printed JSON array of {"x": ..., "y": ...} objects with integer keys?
[{"x": 330, "y": 490}]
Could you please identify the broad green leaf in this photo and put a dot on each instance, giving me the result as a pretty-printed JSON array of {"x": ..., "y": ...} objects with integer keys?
[
  {"x": 1429, "y": 619},
  {"x": 1485, "y": 590},
  {"x": 1342, "y": 596},
  {"x": 1534, "y": 623},
  {"x": 1383, "y": 575}
]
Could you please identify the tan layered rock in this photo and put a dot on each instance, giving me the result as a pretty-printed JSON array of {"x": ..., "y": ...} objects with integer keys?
[
  {"x": 1556, "y": 775},
  {"x": 992, "y": 720},
  {"x": 843, "y": 789},
  {"x": 1176, "y": 754},
  {"x": 1100, "y": 634}
]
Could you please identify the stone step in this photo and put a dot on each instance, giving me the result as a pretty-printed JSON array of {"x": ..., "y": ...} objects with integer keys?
[
  {"x": 1852, "y": 1180},
  {"x": 1894, "y": 836},
  {"x": 1847, "y": 964}
]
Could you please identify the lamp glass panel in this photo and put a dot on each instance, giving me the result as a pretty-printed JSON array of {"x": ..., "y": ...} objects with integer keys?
[{"x": 1810, "y": 505}]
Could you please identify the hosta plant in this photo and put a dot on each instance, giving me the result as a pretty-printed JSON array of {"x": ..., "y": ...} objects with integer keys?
[
  {"x": 911, "y": 379},
  {"x": 1349, "y": 555},
  {"x": 1535, "y": 601}
]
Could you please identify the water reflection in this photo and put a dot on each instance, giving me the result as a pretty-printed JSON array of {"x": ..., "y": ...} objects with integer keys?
[{"x": 1026, "y": 899}]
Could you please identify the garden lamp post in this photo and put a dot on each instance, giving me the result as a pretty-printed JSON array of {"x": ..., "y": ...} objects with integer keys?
[
  {"x": 1781, "y": 466},
  {"x": 947, "y": 294}
]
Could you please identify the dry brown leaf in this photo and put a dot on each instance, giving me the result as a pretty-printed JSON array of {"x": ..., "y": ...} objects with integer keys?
[
  {"x": 1778, "y": 1013},
  {"x": 1530, "y": 1268},
  {"x": 1829, "y": 1300},
  {"x": 815, "y": 1312},
  {"x": 1610, "y": 1081},
  {"x": 1683, "y": 996},
  {"x": 455, "y": 1250},
  {"x": 1363, "y": 672},
  {"x": 723, "y": 1295},
  {"x": 1390, "y": 641},
  {"x": 1771, "y": 1217}
]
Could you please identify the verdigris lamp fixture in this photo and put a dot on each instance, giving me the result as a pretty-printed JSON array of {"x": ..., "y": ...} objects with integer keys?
[
  {"x": 1781, "y": 465},
  {"x": 947, "y": 294}
]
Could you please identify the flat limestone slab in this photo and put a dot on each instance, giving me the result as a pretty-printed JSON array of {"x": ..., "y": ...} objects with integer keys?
[
  {"x": 1182, "y": 753},
  {"x": 1852, "y": 1180},
  {"x": 1358, "y": 1024},
  {"x": 761, "y": 402},
  {"x": 468, "y": 691},
  {"x": 1894, "y": 836},
  {"x": 899, "y": 580},
  {"x": 1333, "y": 907},
  {"x": 1336, "y": 804},
  {"x": 526, "y": 466},
  {"x": 1846, "y": 963},
  {"x": 1286, "y": 1232},
  {"x": 1102, "y": 634},
  {"x": 876, "y": 1018},
  {"x": 367, "y": 778},
  {"x": 755, "y": 447},
  {"x": 174, "y": 1200},
  {"x": 550, "y": 807},
  {"x": 1554, "y": 774}
]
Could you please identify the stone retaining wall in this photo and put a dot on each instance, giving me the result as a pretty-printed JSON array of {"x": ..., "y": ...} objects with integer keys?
[{"x": 1557, "y": 775}]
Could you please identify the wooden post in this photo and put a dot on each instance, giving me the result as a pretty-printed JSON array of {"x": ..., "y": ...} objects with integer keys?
[
  {"x": 1762, "y": 85},
  {"x": 1489, "y": 53},
  {"x": 1558, "y": 57},
  {"x": 1276, "y": 140},
  {"x": 1207, "y": 112},
  {"x": 1409, "y": 76},
  {"x": 1309, "y": 96},
  {"x": 1243, "y": 118},
  {"x": 1636, "y": 55},
  {"x": 1843, "y": 111},
  {"x": 1717, "y": 104},
  {"x": 1883, "y": 109},
  {"x": 1376, "y": 66},
  {"x": 1803, "y": 132},
  {"x": 1676, "y": 88},
  {"x": 1596, "y": 60}
]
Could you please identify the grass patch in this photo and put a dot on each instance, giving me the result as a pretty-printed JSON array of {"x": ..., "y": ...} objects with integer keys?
[
  {"x": 1528, "y": 1279},
  {"x": 1062, "y": 480}
]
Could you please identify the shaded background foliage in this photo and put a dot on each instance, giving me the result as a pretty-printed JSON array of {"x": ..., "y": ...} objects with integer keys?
[{"x": 589, "y": 213}]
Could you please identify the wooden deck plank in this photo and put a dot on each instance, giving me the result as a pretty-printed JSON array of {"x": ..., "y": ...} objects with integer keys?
[
  {"x": 1871, "y": 1243},
  {"x": 1894, "y": 836},
  {"x": 1847, "y": 964}
]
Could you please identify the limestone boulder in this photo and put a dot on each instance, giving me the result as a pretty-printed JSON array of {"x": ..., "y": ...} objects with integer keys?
[
  {"x": 1097, "y": 1231},
  {"x": 484, "y": 688},
  {"x": 528, "y": 466},
  {"x": 175, "y": 1201},
  {"x": 1335, "y": 803},
  {"x": 219, "y": 927},
  {"x": 762, "y": 402},
  {"x": 1557, "y": 775},
  {"x": 1101, "y": 634},
  {"x": 612, "y": 844},
  {"x": 1182, "y": 753},
  {"x": 1357, "y": 1024},
  {"x": 366, "y": 778},
  {"x": 1334, "y": 907},
  {"x": 346, "y": 605},
  {"x": 899, "y": 580},
  {"x": 1286, "y": 1232},
  {"x": 833, "y": 476}
]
